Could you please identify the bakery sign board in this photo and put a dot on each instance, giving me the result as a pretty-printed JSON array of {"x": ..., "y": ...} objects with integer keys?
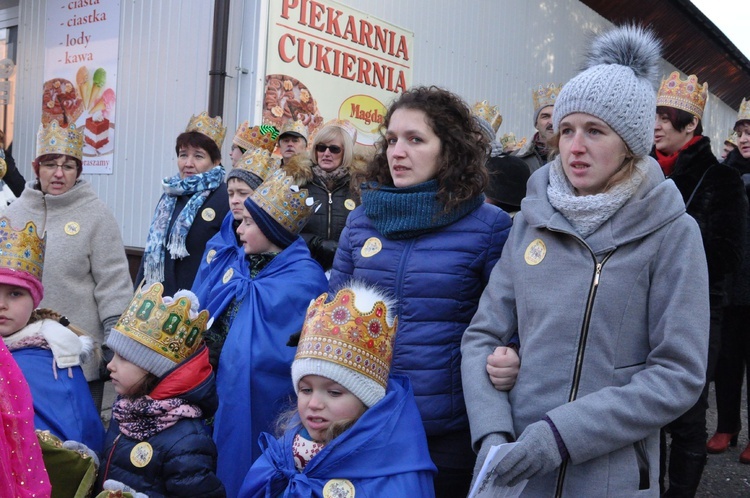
[
  {"x": 80, "y": 74},
  {"x": 327, "y": 61}
]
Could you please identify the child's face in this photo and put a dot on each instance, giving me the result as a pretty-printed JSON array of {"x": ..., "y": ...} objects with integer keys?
[
  {"x": 253, "y": 239},
  {"x": 322, "y": 402},
  {"x": 16, "y": 305},
  {"x": 126, "y": 376}
]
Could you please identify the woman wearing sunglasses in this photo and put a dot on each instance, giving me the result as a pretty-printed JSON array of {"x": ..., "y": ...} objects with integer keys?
[{"x": 332, "y": 154}]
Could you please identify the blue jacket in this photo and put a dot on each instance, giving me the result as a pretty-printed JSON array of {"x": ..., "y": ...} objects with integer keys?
[
  {"x": 437, "y": 279},
  {"x": 183, "y": 457},
  {"x": 253, "y": 380},
  {"x": 383, "y": 454}
]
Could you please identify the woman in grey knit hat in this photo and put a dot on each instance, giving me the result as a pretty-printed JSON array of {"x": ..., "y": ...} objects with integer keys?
[{"x": 604, "y": 279}]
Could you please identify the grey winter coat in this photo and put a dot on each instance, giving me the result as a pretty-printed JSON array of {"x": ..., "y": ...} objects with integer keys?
[{"x": 613, "y": 332}]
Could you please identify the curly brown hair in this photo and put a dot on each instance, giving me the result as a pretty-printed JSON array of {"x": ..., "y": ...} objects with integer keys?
[{"x": 462, "y": 173}]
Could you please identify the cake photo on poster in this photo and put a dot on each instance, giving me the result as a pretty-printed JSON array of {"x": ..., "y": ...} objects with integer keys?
[
  {"x": 288, "y": 99},
  {"x": 99, "y": 102}
]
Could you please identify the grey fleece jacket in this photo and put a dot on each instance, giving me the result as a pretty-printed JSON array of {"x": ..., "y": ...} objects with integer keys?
[
  {"x": 85, "y": 275},
  {"x": 613, "y": 332}
]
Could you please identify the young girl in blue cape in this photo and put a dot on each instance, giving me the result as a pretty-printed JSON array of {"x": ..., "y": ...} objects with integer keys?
[
  {"x": 47, "y": 351},
  {"x": 355, "y": 431}
]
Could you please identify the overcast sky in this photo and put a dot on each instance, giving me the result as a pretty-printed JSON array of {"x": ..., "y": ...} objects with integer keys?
[{"x": 732, "y": 17}]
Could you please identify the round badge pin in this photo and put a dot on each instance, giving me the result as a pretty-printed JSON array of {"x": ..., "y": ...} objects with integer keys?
[
  {"x": 72, "y": 228},
  {"x": 210, "y": 256},
  {"x": 338, "y": 488},
  {"x": 141, "y": 454},
  {"x": 227, "y": 275},
  {"x": 535, "y": 252},
  {"x": 208, "y": 214},
  {"x": 350, "y": 204},
  {"x": 371, "y": 248}
]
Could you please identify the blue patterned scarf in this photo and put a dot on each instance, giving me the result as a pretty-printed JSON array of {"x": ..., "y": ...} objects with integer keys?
[
  {"x": 404, "y": 213},
  {"x": 200, "y": 187}
]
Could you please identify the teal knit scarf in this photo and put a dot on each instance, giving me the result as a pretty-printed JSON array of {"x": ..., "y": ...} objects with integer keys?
[{"x": 404, "y": 213}]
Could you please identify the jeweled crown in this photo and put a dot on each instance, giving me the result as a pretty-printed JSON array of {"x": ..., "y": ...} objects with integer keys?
[
  {"x": 22, "y": 250},
  {"x": 294, "y": 127},
  {"x": 55, "y": 139},
  {"x": 338, "y": 332},
  {"x": 261, "y": 137},
  {"x": 489, "y": 113},
  {"x": 211, "y": 127},
  {"x": 744, "y": 114},
  {"x": 258, "y": 162},
  {"x": 165, "y": 328},
  {"x": 545, "y": 95},
  {"x": 508, "y": 140},
  {"x": 289, "y": 205},
  {"x": 686, "y": 94},
  {"x": 731, "y": 138},
  {"x": 345, "y": 125}
]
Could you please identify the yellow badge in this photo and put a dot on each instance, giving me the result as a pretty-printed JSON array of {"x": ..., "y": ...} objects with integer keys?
[
  {"x": 535, "y": 252},
  {"x": 141, "y": 454},
  {"x": 371, "y": 248},
  {"x": 4, "y": 168},
  {"x": 208, "y": 214},
  {"x": 228, "y": 275},
  {"x": 210, "y": 256},
  {"x": 72, "y": 228},
  {"x": 349, "y": 204},
  {"x": 338, "y": 488}
]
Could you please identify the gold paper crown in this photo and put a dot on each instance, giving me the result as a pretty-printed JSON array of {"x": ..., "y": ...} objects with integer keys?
[
  {"x": 258, "y": 162},
  {"x": 687, "y": 94},
  {"x": 294, "y": 127},
  {"x": 289, "y": 205},
  {"x": 211, "y": 127},
  {"x": 731, "y": 138},
  {"x": 744, "y": 114},
  {"x": 22, "y": 250},
  {"x": 338, "y": 332},
  {"x": 260, "y": 137},
  {"x": 345, "y": 125},
  {"x": 489, "y": 113},
  {"x": 508, "y": 140},
  {"x": 166, "y": 329},
  {"x": 55, "y": 139},
  {"x": 545, "y": 95}
]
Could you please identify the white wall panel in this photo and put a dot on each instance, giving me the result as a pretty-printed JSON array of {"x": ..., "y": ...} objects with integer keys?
[{"x": 162, "y": 79}]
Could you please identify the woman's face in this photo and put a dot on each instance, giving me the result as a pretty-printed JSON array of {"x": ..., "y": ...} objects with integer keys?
[
  {"x": 57, "y": 176},
  {"x": 591, "y": 152},
  {"x": 743, "y": 138},
  {"x": 413, "y": 149},
  {"x": 326, "y": 158},
  {"x": 192, "y": 161},
  {"x": 238, "y": 191},
  {"x": 667, "y": 139}
]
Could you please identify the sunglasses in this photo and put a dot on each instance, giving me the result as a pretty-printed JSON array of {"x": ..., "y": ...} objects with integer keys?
[{"x": 335, "y": 149}]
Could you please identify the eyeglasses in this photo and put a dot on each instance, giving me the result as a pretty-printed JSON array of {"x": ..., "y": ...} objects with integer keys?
[
  {"x": 52, "y": 166},
  {"x": 335, "y": 149}
]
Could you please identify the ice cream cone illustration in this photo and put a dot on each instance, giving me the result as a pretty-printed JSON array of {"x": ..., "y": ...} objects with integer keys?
[
  {"x": 105, "y": 104},
  {"x": 100, "y": 79},
  {"x": 83, "y": 79}
]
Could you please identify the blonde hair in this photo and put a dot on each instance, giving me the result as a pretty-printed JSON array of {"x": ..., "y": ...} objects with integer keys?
[{"x": 330, "y": 132}]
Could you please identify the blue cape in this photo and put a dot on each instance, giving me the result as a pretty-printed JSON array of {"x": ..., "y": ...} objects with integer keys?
[
  {"x": 64, "y": 405},
  {"x": 383, "y": 454},
  {"x": 224, "y": 252},
  {"x": 254, "y": 381}
]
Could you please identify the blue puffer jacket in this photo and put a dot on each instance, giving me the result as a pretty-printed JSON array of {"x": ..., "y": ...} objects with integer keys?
[
  {"x": 179, "y": 460},
  {"x": 437, "y": 278}
]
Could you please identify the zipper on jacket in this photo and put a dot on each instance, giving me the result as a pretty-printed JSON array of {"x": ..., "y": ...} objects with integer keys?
[
  {"x": 109, "y": 457},
  {"x": 330, "y": 210},
  {"x": 579, "y": 355}
]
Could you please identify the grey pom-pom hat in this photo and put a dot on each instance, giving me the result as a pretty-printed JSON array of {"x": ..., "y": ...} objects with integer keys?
[{"x": 618, "y": 86}]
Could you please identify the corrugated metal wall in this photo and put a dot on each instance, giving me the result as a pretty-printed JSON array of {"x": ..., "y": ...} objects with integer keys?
[
  {"x": 162, "y": 79},
  {"x": 480, "y": 49}
]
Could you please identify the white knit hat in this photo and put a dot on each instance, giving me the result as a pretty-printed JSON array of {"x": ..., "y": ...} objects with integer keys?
[
  {"x": 349, "y": 340},
  {"x": 617, "y": 86}
]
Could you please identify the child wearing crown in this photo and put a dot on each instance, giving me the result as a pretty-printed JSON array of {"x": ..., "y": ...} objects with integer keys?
[
  {"x": 355, "y": 431},
  {"x": 47, "y": 349},
  {"x": 156, "y": 443},
  {"x": 263, "y": 298}
]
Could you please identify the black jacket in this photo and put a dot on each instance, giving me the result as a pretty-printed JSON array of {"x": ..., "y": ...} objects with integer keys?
[
  {"x": 715, "y": 198},
  {"x": 739, "y": 292},
  {"x": 323, "y": 230}
]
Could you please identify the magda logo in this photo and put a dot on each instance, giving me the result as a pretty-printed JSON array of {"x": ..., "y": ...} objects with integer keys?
[{"x": 366, "y": 114}]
